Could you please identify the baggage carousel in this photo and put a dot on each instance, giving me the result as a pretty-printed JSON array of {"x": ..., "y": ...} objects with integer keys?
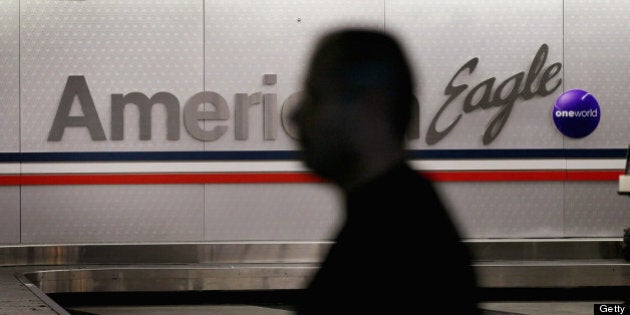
[{"x": 266, "y": 277}]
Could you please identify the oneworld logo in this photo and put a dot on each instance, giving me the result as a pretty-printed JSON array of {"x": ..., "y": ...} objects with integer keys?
[{"x": 576, "y": 113}]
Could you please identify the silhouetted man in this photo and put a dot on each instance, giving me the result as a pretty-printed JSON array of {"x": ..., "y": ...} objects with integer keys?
[{"x": 398, "y": 251}]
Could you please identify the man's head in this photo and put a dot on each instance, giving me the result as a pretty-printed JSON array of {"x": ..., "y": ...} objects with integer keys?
[{"x": 358, "y": 98}]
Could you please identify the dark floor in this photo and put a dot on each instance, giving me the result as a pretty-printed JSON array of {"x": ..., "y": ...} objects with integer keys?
[{"x": 495, "y": 308}]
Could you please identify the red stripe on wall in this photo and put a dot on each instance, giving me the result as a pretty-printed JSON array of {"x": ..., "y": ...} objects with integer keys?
[
  {"x": 252, "y": 178},
  {"x": 494, "y": 176},
  {"x": 594, "y": 175},
  {"x": 9, "y": 180}
]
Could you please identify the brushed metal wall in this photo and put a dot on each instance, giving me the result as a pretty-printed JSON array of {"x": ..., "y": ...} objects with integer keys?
[
  {"x": 9, "y": 83},
  {"x": 185, "y": 47}
]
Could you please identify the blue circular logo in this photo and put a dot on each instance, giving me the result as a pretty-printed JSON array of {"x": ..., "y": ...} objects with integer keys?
[{"x": 576, "y": 113}]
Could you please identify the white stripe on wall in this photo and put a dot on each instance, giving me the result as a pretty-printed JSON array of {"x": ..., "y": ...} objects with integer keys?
[{"x": 297, "y": 166}]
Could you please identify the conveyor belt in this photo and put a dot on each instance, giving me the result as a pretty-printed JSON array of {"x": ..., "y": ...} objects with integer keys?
[{"x": 514, "y": 270}]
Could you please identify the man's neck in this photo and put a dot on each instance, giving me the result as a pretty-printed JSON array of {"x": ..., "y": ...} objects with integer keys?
[{"x": 370, "y": 167}]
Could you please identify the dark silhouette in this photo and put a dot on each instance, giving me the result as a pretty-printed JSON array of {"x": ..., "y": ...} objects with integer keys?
[{"x": 398, "y": 251}]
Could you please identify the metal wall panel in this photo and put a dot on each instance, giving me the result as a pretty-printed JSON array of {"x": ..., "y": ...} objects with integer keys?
[
  {"x": 120, "y": 47},
  {"x": 10, "y": 214},
  {"x": 247, "y": 39},
  {"x": 115, "y": 213},
  {"x": 597, "y": 45},
  {"x": 441, "y": 36},
  {"x": 9, "y": 77},
  {"x": 9, "y": 115},
  {"x": 271, "y": 212},
  {"x": 244, "y": 41},
  {"x": 594, "y": 209},
  {"x": 508, "y": 210}
]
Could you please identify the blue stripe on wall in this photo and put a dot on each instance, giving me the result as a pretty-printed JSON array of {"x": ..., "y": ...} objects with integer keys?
[{"x": 294, "y": 155}]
